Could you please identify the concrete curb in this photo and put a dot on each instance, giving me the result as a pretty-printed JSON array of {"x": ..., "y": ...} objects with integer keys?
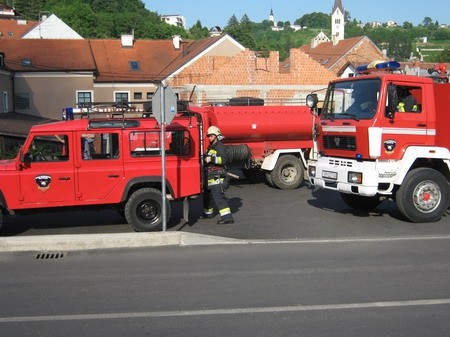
[{"x": 75, "y": 242}]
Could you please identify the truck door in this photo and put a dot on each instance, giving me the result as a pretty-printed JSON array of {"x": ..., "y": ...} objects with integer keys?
[
  {"x": 182, "y": 161},
  {"x": 48, "y": 177},
  {"x": 99, "y": 165},
  {"x": 410, "y": 121},
  {"x": 182, "y": 164}
]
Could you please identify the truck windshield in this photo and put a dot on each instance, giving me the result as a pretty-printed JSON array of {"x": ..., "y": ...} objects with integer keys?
[{"x": 356, "y": 99}]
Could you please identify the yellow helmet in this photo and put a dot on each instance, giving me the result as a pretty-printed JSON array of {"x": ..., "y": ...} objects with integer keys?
[{"x": 213, "y": 130}]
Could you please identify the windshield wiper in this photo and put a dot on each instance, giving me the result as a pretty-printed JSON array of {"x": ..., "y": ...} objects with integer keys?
[{"x": 354, "y": 117}]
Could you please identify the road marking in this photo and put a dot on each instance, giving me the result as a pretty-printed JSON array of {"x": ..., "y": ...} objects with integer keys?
[
  {"x": 346, "y": 240},
  {"x": 235, "y": 311}
]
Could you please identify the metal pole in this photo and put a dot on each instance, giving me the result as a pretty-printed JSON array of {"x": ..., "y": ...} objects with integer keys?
[{"x": 163, "y": 156}]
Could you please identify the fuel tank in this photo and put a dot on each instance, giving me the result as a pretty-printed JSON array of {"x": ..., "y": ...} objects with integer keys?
[{"x": 260, "y": 123}]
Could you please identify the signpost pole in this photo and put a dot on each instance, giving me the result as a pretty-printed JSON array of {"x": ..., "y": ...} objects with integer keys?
[
  {"x": 163, "y": 156},
  {"x": 164, "y": 103}
]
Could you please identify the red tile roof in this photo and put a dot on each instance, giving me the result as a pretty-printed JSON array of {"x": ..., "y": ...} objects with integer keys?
[
  {"x": 329, "y": 55},
  {"x": 14, "y": 29},
  {"x": 47, "y": 55},
  {"x": 156, "y": 59}
]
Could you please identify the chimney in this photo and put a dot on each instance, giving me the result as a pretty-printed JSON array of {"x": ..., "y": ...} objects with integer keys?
[
  {"x": 127, "y": 40},
  {"x": 176, "y": 40},
  {"x": 335, "y": 39}
]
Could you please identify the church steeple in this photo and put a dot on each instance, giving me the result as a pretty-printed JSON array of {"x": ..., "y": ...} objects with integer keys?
[
  {"x": 271, "y": 17},
  {"x": 338, "y": 5},
  {"x": 337, "y": 22}
]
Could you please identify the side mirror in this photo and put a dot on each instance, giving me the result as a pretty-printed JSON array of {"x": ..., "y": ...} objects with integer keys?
[
  {"x": 27, "y": 158},
  {"x": 392, "y": 101}
]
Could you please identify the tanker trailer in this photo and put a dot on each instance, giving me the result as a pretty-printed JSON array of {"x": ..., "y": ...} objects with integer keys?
[{"x": 277, "y": 139}]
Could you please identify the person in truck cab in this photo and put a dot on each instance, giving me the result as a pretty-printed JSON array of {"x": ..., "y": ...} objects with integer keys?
[
  {"x": 407, "y": 102},
  {"x": 364, "y": 102},
  {"x": 215, "y": 161},
  {"x": 88, "y": 145}
]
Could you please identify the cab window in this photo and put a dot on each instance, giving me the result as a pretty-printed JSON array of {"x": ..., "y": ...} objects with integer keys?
[
  {"x": 100, "y": 146},
  {"x": 148, "y": 143},
  {"x": 409, "y": 99},
  {"x": 48, "y": 148}
]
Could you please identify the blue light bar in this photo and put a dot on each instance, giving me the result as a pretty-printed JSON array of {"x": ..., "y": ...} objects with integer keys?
[{"x": 378, "y": 65}]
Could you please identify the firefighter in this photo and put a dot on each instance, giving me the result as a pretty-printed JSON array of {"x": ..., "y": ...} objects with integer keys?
[
  {"x": 216, "y": 174},
  {"x": 407, "y": 102}
]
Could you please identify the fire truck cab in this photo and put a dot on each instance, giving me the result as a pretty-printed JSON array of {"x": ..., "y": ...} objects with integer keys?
[{"x": 383, "y": 135}]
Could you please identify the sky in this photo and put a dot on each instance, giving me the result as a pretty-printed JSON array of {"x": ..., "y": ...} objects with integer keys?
[{"x": 217, "y": 12}]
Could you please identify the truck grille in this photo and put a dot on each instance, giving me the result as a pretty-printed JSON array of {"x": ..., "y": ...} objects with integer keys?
[
  {"x": 337, "y": 162},
  {"x": 340, "y": 142}
]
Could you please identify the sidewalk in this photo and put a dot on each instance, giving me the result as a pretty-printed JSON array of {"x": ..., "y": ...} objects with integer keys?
[{"x": 75, "y": 242}]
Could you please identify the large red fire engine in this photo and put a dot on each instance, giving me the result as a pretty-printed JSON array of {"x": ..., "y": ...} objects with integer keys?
[
  {"x": 115, "y": 160},
  {"x": 384, "y": 135}
]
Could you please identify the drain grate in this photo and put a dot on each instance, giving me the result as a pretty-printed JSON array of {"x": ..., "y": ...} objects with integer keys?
[{"x": 50, "y": 255}]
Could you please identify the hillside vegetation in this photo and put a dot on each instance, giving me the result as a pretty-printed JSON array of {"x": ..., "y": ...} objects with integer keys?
[{"x": 112, "y": 18}]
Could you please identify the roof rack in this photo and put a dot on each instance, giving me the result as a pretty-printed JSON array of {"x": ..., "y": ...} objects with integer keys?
[{"x": 105, "y": 110}]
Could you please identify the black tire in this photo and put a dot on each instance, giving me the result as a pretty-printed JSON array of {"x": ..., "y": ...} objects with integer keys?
[
  {"x": 1, "y": 220},
  {"x": 288, "y": 172},
  {"x": 269, "y": 179},
  {"x": 359, "y": 202},
  {"x": 423, "y": 196},
  {"x": 143, "y": 210}
]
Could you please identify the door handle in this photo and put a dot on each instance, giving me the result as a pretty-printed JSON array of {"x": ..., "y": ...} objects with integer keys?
[
  {"x": 64, "y": 178},
  {"x": 113, "y": 176},
  {"x": 421, "y": 125}
]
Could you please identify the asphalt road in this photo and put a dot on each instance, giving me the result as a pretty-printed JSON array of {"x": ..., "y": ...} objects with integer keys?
[
  {"x": 387, "y": 287},
  {"x": 261, "y": 212}
]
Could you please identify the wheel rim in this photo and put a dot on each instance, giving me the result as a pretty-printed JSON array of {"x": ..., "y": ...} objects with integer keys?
[
  {"x": 427, "y": 196},
  {"x": 148, "y": 211},
  {"x": 289, "y": 174}
]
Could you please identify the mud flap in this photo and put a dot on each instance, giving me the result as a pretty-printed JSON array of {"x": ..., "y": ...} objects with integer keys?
[{"x": 186, "y": 209}]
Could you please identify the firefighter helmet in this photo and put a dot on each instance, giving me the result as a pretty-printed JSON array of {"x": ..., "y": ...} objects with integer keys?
[{"x": 213, "y": 130}]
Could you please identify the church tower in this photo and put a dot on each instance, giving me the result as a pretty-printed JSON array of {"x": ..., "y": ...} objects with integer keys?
[
  {"x": 271, "y": 17},
  {"x": 337, "y": 22}
]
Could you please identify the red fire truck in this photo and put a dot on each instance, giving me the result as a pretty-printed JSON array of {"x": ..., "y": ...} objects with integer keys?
[
  {"x": 383, "y": 135},
  {"x": 115, "y": 161},
  {"x": 275, "y": 140}
]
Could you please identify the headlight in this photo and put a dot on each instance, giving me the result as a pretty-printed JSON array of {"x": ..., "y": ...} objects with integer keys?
[
  {"x": 355, "y": 177},
  {"x": 312, "y": 171},
  {"x": 311, "y": 101}
]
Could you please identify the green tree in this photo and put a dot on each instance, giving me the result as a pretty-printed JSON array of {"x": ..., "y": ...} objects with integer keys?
[
  {"x": 315, "y": 20},
  {"x": 427, "y": 21},
  {"x": 197, "y": 31},
  {"x": 399, "y": 47},
  {"x": 232, "y": 22},
  {"x": 241, "y": 31},
  {"x": 407, "y": 25},
  {"x": 444, "y": 56},
  {"x": 30, "y": 9}
]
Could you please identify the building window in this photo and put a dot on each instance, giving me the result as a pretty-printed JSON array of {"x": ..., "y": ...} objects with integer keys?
[
  {"x": 150, "y": 95},
  {"x": 121, "y": 97},
  {"x": 84, "y": 98},
  {"x": 138, "y": 95},
  {"x": 22, "y": 101}
]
